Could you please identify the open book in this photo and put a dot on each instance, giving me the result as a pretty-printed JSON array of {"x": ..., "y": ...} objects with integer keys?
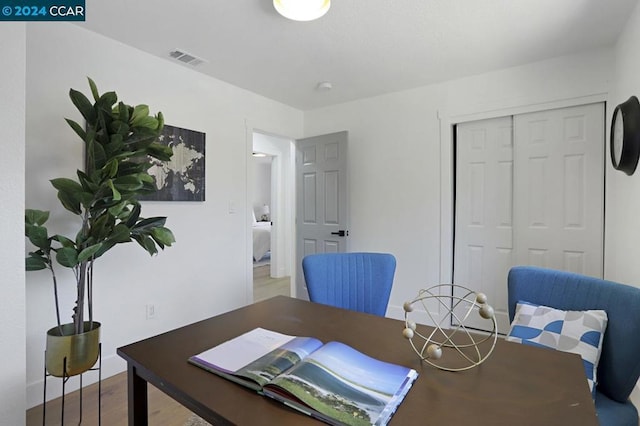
[{"x": 331, "y": 382}]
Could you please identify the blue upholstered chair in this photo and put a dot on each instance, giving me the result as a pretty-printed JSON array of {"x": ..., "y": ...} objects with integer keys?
[
  {"x": 357, "y": 281},
  {"x": 619, "y": 366}
]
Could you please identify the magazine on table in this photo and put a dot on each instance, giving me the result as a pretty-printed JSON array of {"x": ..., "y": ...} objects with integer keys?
[{"x": 331, "y": 382}]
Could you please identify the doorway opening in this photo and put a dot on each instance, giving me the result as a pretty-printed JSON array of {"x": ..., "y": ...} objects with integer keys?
[{"x": 271, "y": 200}]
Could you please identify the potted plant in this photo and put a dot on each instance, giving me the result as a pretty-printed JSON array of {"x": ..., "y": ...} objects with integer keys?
[{"x": 120, "y": 145}]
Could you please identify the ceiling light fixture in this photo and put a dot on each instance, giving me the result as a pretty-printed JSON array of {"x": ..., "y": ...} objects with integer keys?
[{"x": 302, "y": 10}]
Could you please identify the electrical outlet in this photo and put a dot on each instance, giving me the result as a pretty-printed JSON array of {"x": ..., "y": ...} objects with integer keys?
[{"x": 151, "y": 311}]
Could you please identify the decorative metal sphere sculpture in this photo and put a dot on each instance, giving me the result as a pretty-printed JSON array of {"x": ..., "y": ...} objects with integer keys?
[{"x": 440, "y": 339}]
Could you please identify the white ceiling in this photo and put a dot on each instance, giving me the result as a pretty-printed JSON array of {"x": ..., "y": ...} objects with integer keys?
[{"x": 363, "y": 47}]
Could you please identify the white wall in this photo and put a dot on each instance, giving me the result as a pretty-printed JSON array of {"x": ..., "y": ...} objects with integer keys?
[
  {"x": 12, "y": 302},
  {"x": 400, "y": 173},
  {"x": 261, "y": 184},
  {"x": 623, "y": 201},
  {"x": 207, "y": 271}
]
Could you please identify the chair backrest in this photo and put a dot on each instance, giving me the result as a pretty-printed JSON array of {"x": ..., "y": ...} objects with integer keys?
[
  {"x": 619, "y": 366},
  {"x": 356, "y": 281}
]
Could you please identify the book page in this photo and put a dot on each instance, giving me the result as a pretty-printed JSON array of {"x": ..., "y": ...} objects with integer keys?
[
  {"x": 345, "y": 386},
  {"x": 238, "y": 352},
  {"x": 280, "y": 360}
]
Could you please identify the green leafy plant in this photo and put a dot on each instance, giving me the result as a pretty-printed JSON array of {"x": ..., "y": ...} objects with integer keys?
[{"x": 120, "y": 143}]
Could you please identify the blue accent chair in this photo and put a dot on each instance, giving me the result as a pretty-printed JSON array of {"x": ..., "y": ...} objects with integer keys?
[
  {"x": 619, "y": 366},
  {"x": 356, "y": 281}
]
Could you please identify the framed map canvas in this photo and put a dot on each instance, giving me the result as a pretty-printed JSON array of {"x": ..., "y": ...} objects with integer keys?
[{"x": 182, "y": 178}]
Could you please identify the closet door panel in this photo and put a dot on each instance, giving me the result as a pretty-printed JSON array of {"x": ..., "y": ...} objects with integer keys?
[
  {"x": 484, "y": 212},
  {"x": 559, "y": 189},
  {"x": 529, "y": 191}
]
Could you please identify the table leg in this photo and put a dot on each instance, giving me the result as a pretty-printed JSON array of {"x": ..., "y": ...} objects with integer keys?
[{"x": 137, "y": 398}]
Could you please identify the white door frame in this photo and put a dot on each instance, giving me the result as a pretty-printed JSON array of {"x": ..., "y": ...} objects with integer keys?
[{"x": 464, "y": 114}]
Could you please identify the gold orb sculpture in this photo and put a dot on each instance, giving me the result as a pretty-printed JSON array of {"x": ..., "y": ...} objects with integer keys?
[{"x": 454, "y": 348}]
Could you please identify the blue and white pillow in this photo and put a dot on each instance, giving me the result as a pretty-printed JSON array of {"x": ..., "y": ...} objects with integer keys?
[{"x": 578, "y": 332}]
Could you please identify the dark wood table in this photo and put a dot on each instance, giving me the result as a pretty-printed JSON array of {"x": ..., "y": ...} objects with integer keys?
[{"x": 516, "y": 385}]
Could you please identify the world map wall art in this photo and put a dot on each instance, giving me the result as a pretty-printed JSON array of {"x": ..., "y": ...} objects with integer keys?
[{"x": 182, "y": 178}]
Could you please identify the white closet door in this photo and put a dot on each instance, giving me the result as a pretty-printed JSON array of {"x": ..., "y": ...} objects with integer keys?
[
  {"x": 559, "y": 189},
  {"x": 531, "y": 194},
  {"x": 484, "y": 206}
]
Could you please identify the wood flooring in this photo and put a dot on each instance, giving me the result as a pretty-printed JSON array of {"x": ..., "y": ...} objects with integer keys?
[
  {"x": 163, "y": 410},
  {"x": 265, "y": 287}
]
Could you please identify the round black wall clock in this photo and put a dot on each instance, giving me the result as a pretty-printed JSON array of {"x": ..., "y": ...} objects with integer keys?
[{"x": 625, "y": 136}]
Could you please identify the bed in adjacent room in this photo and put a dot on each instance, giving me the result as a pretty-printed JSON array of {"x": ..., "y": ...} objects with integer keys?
[{"x": 261, "y": 239}]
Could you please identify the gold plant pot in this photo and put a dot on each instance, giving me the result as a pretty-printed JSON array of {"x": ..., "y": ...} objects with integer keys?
[{"x": 80, "y": 350}]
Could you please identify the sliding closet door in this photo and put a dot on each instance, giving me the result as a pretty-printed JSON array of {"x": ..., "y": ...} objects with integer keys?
[
  {"x": 529, "y": 191},
  {"x": 484, "y": 211},
  {"x": 559, "y": 189}
]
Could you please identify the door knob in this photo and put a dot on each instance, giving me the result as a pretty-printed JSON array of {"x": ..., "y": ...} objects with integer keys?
[{"x": 341, "y": 233}]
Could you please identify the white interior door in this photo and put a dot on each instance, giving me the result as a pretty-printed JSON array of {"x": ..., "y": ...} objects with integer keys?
[
  {"x": 321, "y": 199},
  {"x": 533, "y": 195},
  {"x": 559, "y": 189},
  {"x": 484, "y": 212}
]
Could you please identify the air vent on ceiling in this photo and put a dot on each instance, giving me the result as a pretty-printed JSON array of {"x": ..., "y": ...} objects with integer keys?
[{"x": 185, "y": 57}]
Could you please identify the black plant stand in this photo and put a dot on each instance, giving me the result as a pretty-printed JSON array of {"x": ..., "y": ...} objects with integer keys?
[{"x": 64, "y": 382}]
